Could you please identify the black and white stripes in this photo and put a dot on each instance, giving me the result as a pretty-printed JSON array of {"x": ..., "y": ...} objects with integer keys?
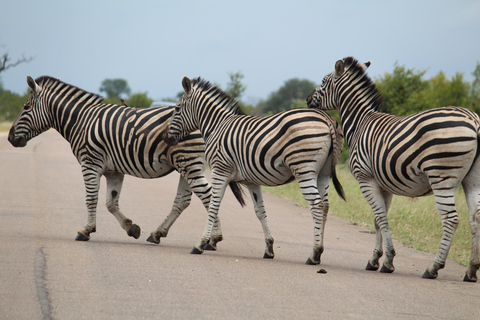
[
  {"x": 433, "y": 151},
  {"x": 298, "y": 144},
  {"x": 112, "y": 141}
]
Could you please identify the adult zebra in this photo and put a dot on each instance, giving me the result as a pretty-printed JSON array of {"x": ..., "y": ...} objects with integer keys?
[
  {"x": 114, "y": 140},
  {"x": 297, "y": 144},
  {"x": 432, "y": 151}
]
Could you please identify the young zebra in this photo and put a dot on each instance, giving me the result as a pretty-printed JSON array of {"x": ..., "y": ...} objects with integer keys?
[
  {"x": 114, "y": 140},
  {"x": 432, "y": 151},
  {"x": 297, "y": 144}
]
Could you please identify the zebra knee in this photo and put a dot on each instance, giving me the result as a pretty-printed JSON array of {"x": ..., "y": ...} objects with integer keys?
[
  {"x": 112, "y": 201},
  {"x": 184, "y": 204}
]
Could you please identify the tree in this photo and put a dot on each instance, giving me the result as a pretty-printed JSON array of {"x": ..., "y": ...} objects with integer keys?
[
  {"x": 475, "y": 89},
  {"x": 6, "y": 64},
  {"x": 139, "y": 100},
  {"x": 398, "y": 87},
  {"x": 235, "y": 87},
  {"x": 287, "y": 96},
  {"x": 11, "y": 104},
  {"x": 114, "y": 88}
]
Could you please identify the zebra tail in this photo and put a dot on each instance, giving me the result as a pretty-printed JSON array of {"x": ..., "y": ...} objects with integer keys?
[
  {"x": 238, "y": 192},
  {"x": 337, "y": 184}
]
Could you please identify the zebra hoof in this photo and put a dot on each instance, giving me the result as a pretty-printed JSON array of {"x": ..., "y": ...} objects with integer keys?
[
  {"x": 371, "y": 267},
  {"x": 268, "y": 256},
  {"x": 152, "y": 240},
  {"x": 311, "y": 262},
  {"x": 428, "y": 275},
  {"x": 385, "y": 269},
  {"x": 134, "y": 231},
  {"x": 468, "y": 279},
  {"x": 81, "y": 237},
  {"x": 195, "y": 250},
  {"x": 209, "y": 247}
]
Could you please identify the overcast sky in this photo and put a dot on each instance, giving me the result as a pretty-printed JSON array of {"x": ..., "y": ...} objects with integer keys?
[{"x": 153, "y": 44}]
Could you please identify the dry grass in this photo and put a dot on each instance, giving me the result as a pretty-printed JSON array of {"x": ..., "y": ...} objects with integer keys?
[{"x": 413, "y": 221}]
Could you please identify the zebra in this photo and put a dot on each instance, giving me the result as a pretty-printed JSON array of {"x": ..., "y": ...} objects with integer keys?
[
  {"x": 297, "y": 144},
  {"x": 429, "y": 152},
  {"x": 112, "y": 141}
]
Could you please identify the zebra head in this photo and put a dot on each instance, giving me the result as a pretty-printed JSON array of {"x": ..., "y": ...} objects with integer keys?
[
  {"x": 34, "y": 118},
  {"x": 182, "y": 122},
  {"x": 325, "y": 96}
]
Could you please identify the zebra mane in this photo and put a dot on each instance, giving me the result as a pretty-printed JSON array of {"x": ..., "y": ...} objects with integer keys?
[
  {"x": 230, "y": 104},
  {"x": 53, "y": 84},
  {"x": 359, "y": 74}
]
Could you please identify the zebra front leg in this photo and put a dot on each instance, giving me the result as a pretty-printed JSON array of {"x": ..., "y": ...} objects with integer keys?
[
  {"x": 219, "y": 184},
  {"x": 114, "y": 187},
  {"x": 446, "y": 208},
  {"x": 257, "y": 197},
  {"x": 91, "y": 179},
  {"x": 181, "y": 202},
  {"x": 380, "y": 201}
]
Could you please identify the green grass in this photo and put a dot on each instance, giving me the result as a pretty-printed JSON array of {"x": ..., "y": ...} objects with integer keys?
[
  {"x": 413, "y": 221},
  {"x": 5, "y": 126}
]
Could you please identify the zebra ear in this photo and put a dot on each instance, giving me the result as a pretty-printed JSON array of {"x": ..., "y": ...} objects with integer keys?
[
  {"x": 365, "y": 65},
  {"x": 339, "y": 68},
  {"x": 187, "y": 85},
  {"x": 33, "y": 85}
]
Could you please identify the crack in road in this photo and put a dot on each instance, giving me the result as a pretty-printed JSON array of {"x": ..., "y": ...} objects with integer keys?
[{"x": 40, "y": 270}]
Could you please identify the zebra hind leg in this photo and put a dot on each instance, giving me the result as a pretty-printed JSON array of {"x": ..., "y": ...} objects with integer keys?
[
  {"x": 473, "y": 202},
  {"x": 181, "y": 202},
  {"x": 219, "y": 184},
  {"x": 373, "y": 263},
  {"x": 114, "y": 187},
  {"x": 216, "y": 236},
  {"x": 257, "y": 197},
  {"x": 323, "y": 182},
  {"x": 446, "y": 207}
]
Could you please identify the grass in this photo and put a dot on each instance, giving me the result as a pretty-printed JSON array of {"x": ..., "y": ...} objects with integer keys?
[
  {"x": 5, "y": 126},
  {"x": 413, "y": 221}
]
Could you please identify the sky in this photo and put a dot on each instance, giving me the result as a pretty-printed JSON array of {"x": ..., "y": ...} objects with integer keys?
[{"x": 154, "y": 44}]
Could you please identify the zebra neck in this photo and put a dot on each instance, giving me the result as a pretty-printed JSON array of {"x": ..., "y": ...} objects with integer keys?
[
  {"x": 355, "y": 118},
  {"x": 68, "y": 118},
  {"x": 209, "y": 122}
]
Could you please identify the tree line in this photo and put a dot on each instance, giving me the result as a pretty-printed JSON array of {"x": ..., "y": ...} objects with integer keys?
[{"x": 404, "y": 91}]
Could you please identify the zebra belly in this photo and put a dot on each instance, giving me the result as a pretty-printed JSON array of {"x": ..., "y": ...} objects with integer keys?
[
  {"x": 417, "y": 188},
  {"x": 272, "y": 177}
]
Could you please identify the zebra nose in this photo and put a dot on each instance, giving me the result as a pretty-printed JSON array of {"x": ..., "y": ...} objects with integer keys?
[
  {"x": 171, "y": 141},
  {"x": 11, "y": 134},
  {"x": 310, "y": 98}
]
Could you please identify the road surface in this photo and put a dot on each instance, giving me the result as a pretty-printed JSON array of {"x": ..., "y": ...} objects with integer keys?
[{"x": 46, "y": 274}]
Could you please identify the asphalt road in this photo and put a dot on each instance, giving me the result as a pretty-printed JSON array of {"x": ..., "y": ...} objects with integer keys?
[{"x": 45, "y": 274}]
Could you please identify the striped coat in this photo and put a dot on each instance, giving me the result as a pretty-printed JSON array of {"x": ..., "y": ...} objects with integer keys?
[
  {"x": 297, "y": 144},
  {"x": 110, "y": 140},
  {"x": 430, "y": 152}
]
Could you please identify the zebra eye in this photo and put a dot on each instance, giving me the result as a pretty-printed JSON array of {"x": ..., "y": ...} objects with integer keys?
[
  {"x": 27, "y": 107},
  {"x": 177, "y": 108}
]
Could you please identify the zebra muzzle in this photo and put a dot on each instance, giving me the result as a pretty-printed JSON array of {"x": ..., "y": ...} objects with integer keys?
[
  {"x": 17, "y": 142},
  {"x": 171, "y": 141}
]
